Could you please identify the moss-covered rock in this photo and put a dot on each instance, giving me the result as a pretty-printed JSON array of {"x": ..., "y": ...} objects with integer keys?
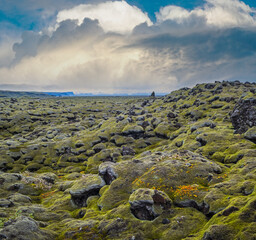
[
  {"x": 100, "y": 168},
  {"x": 134, "y": 131},
  {"x": 147, "y": 204},
  {"x": 251, "y": 134},
  {"x": 25, "y": 228},
  {"x": 88, "y": 185},
  {"x": 219, "y": 232}
]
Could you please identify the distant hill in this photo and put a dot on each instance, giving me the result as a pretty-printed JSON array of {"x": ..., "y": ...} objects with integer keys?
[
  {"x": 16, "y": 94},
  {"x": 60, "y": 94}
]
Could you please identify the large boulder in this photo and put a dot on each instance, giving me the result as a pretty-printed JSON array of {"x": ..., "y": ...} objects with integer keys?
[
  {"x": 24, "y": 228},
  {"x": 218, "y": 232},
  {"x": 5, "y": 203},
  {"x": 107, "y": 172},
  {"x": 134, "y": 131},
  {"x": 243, "y": 115},
  {"x": 251, "y": 134},
  {"x": 147, "y": 204},
  {"x": 178, "y": 168},
  {"x": 88, "y": 185},
  {"x": 183, "y": 175}
]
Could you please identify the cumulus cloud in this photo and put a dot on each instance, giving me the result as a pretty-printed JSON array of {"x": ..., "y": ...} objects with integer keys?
[
  {"x": 6, "y": 53},
  {"x": 78, "y": 57},
  {"x": 113, "y": 16},
  {"x": 218, "y": 13},
  {"x": 90, "y": 55}
]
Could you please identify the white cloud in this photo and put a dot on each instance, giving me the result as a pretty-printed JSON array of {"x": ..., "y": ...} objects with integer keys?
[
  {"x": 194, "y": 46},
  {"x": 217, "y": 13},
  {"x": 90, "y": 64},
  {"x": 6, "y": 52},
  {"x": 113, "y": 16},
  {"x": 172, "y": 13}
]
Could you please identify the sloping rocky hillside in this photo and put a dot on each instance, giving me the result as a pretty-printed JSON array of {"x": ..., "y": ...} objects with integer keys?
[{"x": 178, "y": 167}]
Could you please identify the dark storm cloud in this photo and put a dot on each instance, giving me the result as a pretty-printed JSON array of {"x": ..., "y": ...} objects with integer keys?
[
  {"x": 205, "y": 46},
  {"x": 66, "y": 33},
  {"x": 203, "y": 56},
  {"x": 28, "y": 45}
]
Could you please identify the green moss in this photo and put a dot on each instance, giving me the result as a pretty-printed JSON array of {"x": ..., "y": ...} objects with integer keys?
[
  {"x": 164, "y": 129},
  {"x": 82, "y": 233},
  {"x": 221, "y": 174},
  {"x": 218, "y": 156},
  {"x": 186, "y": 223},
  {"x": 132, "y": 128},
  {"x": 32, "y": 167},
  {"x": 117, "y": 193}
]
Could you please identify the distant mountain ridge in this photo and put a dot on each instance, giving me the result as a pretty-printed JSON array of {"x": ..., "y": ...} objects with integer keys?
[
  {"x": 16, "y": 94},
  {"x": 60, "y": 94}
]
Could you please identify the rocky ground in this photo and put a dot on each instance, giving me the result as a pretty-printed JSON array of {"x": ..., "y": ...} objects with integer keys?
[{"x": 178, "y": 167}]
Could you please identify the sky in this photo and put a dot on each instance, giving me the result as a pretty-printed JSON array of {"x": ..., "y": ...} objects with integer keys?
[{"x": 133, "y": 46}]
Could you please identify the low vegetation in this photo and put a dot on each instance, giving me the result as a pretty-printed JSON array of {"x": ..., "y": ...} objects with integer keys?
[{"x": 176, "y": 167}]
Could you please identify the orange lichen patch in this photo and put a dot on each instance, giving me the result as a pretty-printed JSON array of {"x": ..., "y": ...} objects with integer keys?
[
  {"x": 47, "y": 194},
  {"x": 223, "y": 176},
  {"x": 192, "y": 165},
  {"x": 138, "y": 183},
  {"x": 186, "y": 191}
]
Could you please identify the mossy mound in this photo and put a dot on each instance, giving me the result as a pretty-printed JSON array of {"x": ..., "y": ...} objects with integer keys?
[{"x": 177, "y": 167}]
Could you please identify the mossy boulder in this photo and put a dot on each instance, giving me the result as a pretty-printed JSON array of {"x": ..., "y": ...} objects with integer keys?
[
  {"x": 243, "y": 115},
  {"x": 163, "y": 130},
  {"x": 184, "y": 225},
  {"x": 251, "y": 134},
  {"x": 134, "y": 131},
  {"x": 107, "y": 172},
  {"x": 98, "y": 147},
  {"x": 25, "y": 228},
  {"x": 88, "y": 185},
  {"x": 147, "y": 204},
  {"x": 219, "y": 232},
  {"x": 33, "y": 167},
  {"x": 122, "y": 140},
  {"x": 180, "y": 148}
]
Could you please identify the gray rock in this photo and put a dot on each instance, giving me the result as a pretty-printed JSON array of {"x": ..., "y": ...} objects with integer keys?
[
  {"x": 243, "y": 115},
  {"x": 88, "y": 185},
  {"x": 127, "y": 151},
  {"x": 98, "y": 147},
  {"x": 19, "y": 198},
  {"x": 134, "y": 131},
  {"x": 107, "y": 172},
  {"x": 251, "y": 134},
  {"x": 25, "y": 228},
  {"x": 219, "y": 232},
  {"x": 15, "y": 155},
  {"x": 5, "y": 203},
  {"x": 147, "y": 204},
  {"x": 202, "y": 207},
  {"x": 49, "y": 177},
  {"x": 8, "y": 178}
]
